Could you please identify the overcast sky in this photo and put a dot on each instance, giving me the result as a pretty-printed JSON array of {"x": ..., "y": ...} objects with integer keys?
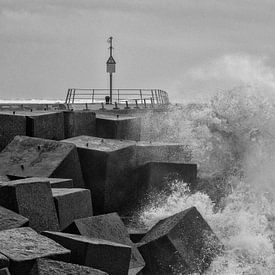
[{"x": 187, "y": 48}]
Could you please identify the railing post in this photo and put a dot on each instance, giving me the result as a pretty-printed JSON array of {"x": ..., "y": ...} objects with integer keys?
[
  {"x": 93, "y": 96},
  {"x": 127, "y": 106},
  {"x": 144, "y": 103},
  {"x": 152, "y": 102},
  {"x": 157, "y": 96},
  {"x": 136, "y": 107},
  {"x": 118, "y": 95},
  {"x": 140, "y": 96},
  {"x": 66, "y": 101},
  {"x": 73, "y": 96},
  {"x": 115, "y": 108},
  {"x": 152, "y": 98}
]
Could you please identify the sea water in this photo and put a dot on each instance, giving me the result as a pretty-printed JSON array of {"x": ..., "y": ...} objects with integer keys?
[{"x": 233, "y": 142}]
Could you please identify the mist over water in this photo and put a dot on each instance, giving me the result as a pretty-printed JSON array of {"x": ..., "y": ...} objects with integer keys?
[{"x": 233, "y": 142}]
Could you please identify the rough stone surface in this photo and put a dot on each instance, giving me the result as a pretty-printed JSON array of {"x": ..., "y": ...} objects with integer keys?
[
  {"x": 111, "y": 228},
  {"x": 4, "y": 261},
  {"x": 31, "y": 199},
  {"x": 34, "y": 157},
  {"x": 10, "y": 219},
  {"x": 78, "y": 123},
  {"x": 47, "y": 125},
  {"x": 51, "y": 267},
  {"x": 162, "y": 151},
  {"x": 10, "y": 126},
  {"x": 23, "y": 245},
  {"x": 56, "y": 182},
  {"x": 107, "y": 256},
  {"x": 122, "y": 127},
  {"x": 107, "y": 166},
  {"x": 181, "y": 243},
  {"x": 154, "y": 177},
  {"x": 71, "y": 204}
]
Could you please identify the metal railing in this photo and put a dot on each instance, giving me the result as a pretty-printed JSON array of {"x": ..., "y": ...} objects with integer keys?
[{"x": 144, "y": 97}]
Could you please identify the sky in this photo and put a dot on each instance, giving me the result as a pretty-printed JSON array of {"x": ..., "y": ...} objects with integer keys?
[{"x": 189, "y": 48}]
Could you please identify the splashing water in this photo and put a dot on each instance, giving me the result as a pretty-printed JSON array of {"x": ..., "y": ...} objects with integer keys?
[{"x": 232, "y": 137}]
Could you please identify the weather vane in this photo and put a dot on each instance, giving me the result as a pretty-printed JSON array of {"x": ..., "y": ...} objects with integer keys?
[{"x": 111, "y": 66}]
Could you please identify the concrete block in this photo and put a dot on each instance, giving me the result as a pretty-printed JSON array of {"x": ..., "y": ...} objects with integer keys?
[
  {"x": 23, "y": 245},
  {"x": 162, "y": 151},
  {"x": 180, "y": 244},
  {"x": 111, "y": 228},
  {"x": 118, "y": 127},
  {"x": 34, "y": 157},
  {"x": 51, "y": 267},
  {"x": 4, "y": 271},
  {"x": 31, "y": 199},
  {"x": 4, "y": 261},
  {"x": 57, "y": 182},
  {"x": 71, "y": 204},
  {"x": 107, "y": 256},
  {"x": 107, "y": 166},
  {"x": 10, "y": 219},
  {"x": 77, "y": 123},
  {"x": 47, "y": 125},
  {"x": 153, "y": 177},
  {"x": 11, "y": 126}
]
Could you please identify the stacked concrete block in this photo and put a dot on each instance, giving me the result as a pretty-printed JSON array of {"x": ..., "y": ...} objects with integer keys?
[
  {"x": 47, "y": 125},
  {"x": 118, "y": 127},
  {"x": 23, "y": 245},
  {"x": 111, "y": 228},
  {"x": 10, "y": 219},
  {"x": 56, "y": 182},
  {"x": 162, "y": 151},
  {"x": 51, "y": 267},
  {"x": 10, "y": 126},
  {"x": 180, "y": 244},
  {"x": 111, "y": 257},
  {"x": 31, "y": 199},
  {"x": 107, "y": 166},
  {"x": 156, "y": 177},
  {"x": 34, "y": 157},
  {"x": 71, "y": 204},
  {"x": 77, "y": 123}
]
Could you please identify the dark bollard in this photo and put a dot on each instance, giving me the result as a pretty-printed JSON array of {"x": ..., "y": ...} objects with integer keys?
[
  {"x": 136, "y": 107},
  {"x": 127, "y": 106}
]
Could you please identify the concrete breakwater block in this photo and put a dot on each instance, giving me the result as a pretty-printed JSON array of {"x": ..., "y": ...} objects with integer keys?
[
  {"x": 47, "y": 125},
  {"x": 182, "y": 243},
  {"x": 162, "y": 151},
  {"x": 154, "y": 177},
  {"x": 118, "y": 127},
  {"x": 31, "y": 199},
  {"x": 71, "y": 204},
  {"x": 107, "y": 166},
  {"x": 56, "y": 182},
  {"x": 23, "y": 245},
  {"x": 10, "y": 126},
  {"x": 111, "y": 228},
  {"x": 4, "y": 261},
  {"x": 107, "y": 256},
  {"x": 10, "y": 219},
  {"x": 51, "y": 267},
  {"x": 34, "y": 157},
  {"x": 77, "y": 123},
  {"x": 4, "y": 271}
]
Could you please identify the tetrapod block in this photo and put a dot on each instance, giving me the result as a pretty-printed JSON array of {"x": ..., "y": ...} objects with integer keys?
[
  {"x": 107, "y": 256},
  {"x": 107, "y": 166},
  {"x": 162, "y": 151},
  {"x": 34, "y": 157},
  {"x": 77, "y": 123},
  {"x": 10, "y": 219},
  {"x": 118, "y": 127},
  {"x": 180, "y": 243},
  {"x": 71, "y": 204},
  {"x": 51, "y": 267},
  {"x": 23, "y": 245},
  {"x": 111, "y": 228},
  {"x": 57, "y": 182},
  {"x": 31, "y": 199}
]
